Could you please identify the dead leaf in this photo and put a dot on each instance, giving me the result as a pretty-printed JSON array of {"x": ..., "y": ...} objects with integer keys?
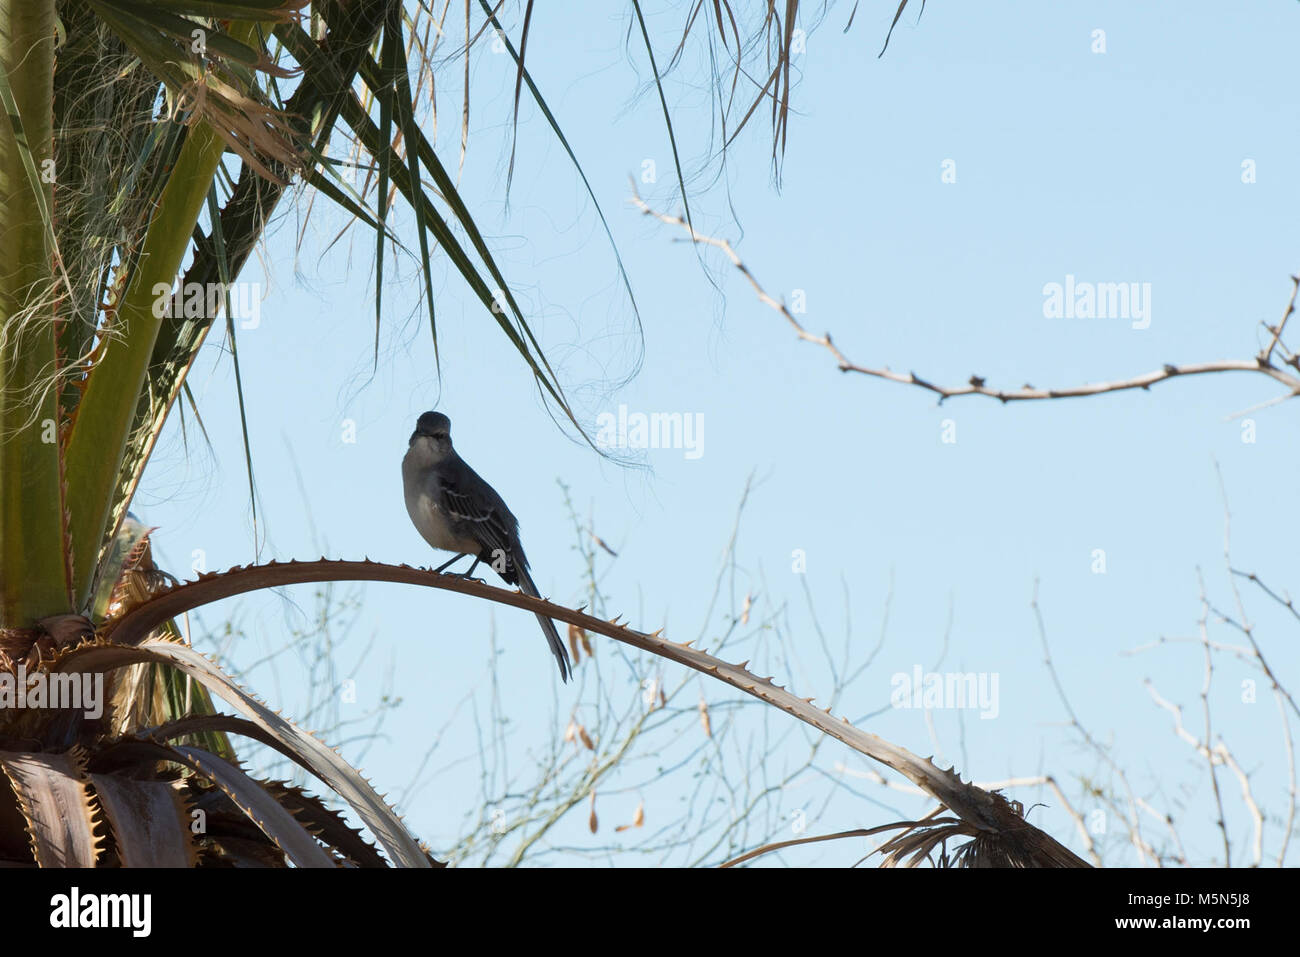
[
  {"x": 574, "y": 631},
  {"x": 578, "y": 636},
  {"x": 601, "y": 542},
  {"x": 638, "y": 819}
]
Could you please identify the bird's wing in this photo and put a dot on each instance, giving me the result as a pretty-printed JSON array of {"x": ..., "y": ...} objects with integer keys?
[{"x": 476, "y": 509}]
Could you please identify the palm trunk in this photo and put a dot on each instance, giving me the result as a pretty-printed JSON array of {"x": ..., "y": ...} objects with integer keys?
[{"x": 33, "y": 573}]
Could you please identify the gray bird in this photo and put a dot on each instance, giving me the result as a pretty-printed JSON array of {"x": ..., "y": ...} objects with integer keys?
[{"x": 455, "y": 510}]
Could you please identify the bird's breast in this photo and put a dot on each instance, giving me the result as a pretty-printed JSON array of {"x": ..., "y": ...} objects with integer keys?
[{"x": 429, "y": 519}]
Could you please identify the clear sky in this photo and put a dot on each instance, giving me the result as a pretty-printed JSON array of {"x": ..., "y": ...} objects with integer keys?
[{"x": 1117, "y": 167}]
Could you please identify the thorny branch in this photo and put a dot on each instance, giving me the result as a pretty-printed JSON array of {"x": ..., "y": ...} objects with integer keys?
[
  {"x": 989, "y": 816},
  {"x": 1262, "y": 363}
]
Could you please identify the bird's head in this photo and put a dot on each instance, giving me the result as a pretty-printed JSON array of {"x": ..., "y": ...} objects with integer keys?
[{"x": 433, "y": 430}]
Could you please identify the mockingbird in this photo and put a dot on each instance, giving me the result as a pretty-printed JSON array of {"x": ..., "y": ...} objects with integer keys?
[{"x": 455, "y": 510}]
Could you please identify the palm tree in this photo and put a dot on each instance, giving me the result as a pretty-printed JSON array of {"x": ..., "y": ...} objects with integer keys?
[{"x": 123, "y": 123}]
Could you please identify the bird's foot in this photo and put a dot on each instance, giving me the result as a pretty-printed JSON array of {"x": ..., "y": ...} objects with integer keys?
[{"x": 464, "y": 576}]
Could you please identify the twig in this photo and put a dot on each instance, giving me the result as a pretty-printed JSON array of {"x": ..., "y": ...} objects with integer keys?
[
  {"x": 1179, "y": 729},
  {"x": 1286, "y": 602},
  {"x": 1221, "y": 749},
  {"x": 1262, "y": 363},
  {"x": 1267, "y": 354},
  {"x": 1291, "y": 784},
  {"x": 1168, "y": 821},
  {"x": 1205, "y": 707},
  {"x": 1131, "y": 820},
  {"x": 1239, "y": 651}
]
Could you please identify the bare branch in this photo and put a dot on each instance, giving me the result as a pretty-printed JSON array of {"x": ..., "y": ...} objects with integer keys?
[
  {"x": 1267, "y": 354},
  {"x": 1261, "y": 364}
]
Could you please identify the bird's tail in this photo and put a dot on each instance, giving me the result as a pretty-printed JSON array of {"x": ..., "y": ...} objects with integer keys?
[{"x": 548, "y": 627}]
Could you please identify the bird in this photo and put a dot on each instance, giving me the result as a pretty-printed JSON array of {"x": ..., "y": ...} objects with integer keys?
[{"x": 455, "y": 510}]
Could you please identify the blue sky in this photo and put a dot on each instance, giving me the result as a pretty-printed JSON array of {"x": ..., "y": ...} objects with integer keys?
[{"x": 1122, "y": 166}]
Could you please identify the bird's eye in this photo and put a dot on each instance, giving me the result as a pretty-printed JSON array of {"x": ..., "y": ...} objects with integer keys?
[{"x": 440, "y": 435}]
